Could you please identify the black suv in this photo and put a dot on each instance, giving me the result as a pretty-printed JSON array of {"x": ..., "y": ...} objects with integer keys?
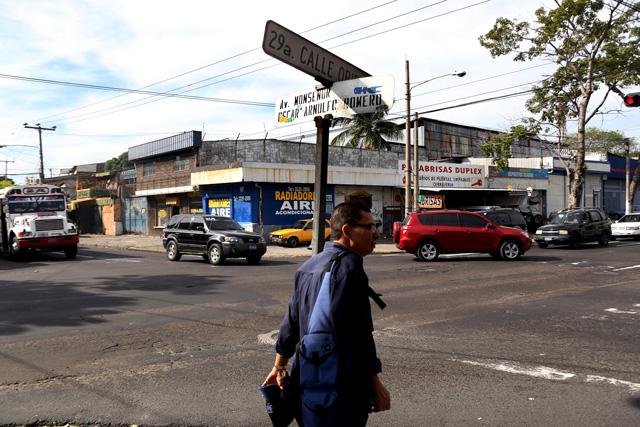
[
  {"x": 575, "y": 226},
  {"x": 215, "y": 238},
  {"x": 505, "y": 217}
]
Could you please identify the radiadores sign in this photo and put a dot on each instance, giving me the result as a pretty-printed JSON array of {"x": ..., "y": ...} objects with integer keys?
[{"x": 446, "y": 175}]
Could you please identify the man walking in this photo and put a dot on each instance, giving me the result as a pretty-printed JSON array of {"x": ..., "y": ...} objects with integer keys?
[{"x": 359, "y": 390}]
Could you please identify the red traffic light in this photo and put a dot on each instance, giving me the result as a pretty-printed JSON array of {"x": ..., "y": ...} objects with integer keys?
[{"x": 632, "y": 100}]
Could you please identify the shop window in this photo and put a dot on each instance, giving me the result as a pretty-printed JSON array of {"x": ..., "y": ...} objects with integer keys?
[
  {"x": 148, "y": 169},
  {"x": 163, "y": 214},
  {"x": 180, "y": 164},
  {"x": 195, "y": 206}
]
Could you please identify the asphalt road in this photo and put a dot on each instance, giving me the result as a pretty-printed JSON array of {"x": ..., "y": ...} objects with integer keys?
[{"x": 123, "y": 337}]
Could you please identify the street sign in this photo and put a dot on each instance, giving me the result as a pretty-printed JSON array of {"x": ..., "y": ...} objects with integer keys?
[
  {"x": 344, "y": 99},
  {"x": 306, "y": 56}
]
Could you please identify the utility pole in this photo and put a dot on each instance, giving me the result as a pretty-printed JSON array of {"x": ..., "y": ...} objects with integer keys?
[
  {"x": 407, "y": 153},
  {"x": 6, "y": 171},
  {"x": 416, "y": 165},
  {"x": 40, "y": 129},
  {"x": 627, "y": 167}
]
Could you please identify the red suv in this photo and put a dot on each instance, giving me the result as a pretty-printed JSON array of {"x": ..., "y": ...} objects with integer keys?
[{"x": 428, "y": 234}]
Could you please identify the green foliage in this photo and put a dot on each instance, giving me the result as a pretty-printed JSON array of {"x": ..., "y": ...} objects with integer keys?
[
  {"x": 603, "y": 141},
  {"x": 7, "y": 182},
  {"x": 498, "y": 147},
  {"x": 594, "y": 43},
  {"x": 366, "y": 131},
  {"x": 118, "y": 163}
]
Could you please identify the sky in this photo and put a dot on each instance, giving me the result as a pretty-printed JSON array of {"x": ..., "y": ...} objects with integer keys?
[{"x": 213, "y": 50}]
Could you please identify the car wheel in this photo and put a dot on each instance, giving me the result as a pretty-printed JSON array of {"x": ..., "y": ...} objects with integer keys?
[
  {"x": 70, "y": 252},
  {"x": 428, "y": 251},
  {"x": 254, "y": 259},
  {"x": 216, "y": 256},
  {"x": 14, "y": 251},
  {"x": 172, "y": 251},
  {"x": 604, "y": 240},
  {"x": 543, "y": 245},
  {"x": 510, "y": 250},
  {"x": 293, "y": 242}
]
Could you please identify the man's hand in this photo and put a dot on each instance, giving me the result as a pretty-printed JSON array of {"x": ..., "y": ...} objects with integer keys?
[
  {"x": 276, "y": 376},
  {"x": 381, "y": 396}
]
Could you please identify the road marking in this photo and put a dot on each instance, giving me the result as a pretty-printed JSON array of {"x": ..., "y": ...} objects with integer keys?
[
  {"x": 627, "y": 268},
  {"x": 579, "y": 262},
  {"x": 633, "y": 387},
  {"x": 269, "y": 338},
  {"x": 636, "y": 305},
  {"x": 616, "y": 311},
  {"x": 549, "y": 373},
  {"x": 515, "y": 368}
]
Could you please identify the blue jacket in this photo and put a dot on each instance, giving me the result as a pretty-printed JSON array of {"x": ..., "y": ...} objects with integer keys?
[{"x": 350, "y": 310}]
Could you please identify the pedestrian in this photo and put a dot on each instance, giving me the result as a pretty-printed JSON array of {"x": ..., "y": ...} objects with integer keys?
[{"x": 359, "y": 389}]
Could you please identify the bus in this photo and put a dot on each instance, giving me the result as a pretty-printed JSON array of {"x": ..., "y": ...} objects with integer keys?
[{"x": 34, "y": 217}]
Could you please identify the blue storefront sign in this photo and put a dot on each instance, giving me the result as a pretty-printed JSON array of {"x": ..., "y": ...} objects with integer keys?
[{"x": 284, "y": 204}]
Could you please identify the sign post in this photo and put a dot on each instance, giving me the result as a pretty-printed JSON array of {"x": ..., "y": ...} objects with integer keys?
[{"x": 327, "y": 68}]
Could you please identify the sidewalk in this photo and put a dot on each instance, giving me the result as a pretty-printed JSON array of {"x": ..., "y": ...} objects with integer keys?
[{"x": 137, "y": 242}]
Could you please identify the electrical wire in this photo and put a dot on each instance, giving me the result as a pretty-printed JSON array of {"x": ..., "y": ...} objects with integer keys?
[
  {"x": 278, "y": 63},
  {"x": 218, "y": 61}
]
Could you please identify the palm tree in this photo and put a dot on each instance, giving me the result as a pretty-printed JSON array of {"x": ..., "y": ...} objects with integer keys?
[{"x": 366, "y": 131}]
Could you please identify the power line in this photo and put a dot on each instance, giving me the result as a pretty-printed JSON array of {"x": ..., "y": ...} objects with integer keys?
[
  {"x": 96, "y": 114},
  {"x": 219, "y": 61},
  {"x": 136, "y": 91}
]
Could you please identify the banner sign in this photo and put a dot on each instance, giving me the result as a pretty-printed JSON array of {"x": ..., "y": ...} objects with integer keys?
[
  {"x": 446, "y": 175},
  {"x": 521, "y": 173},
  {"x": 220, "y": 207},
  {"x": 285, "y": 204},
  {"x": 431, "y": 201},
  {"x": 344, "y": 99}
]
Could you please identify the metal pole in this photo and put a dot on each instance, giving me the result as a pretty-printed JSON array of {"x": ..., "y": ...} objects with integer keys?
[
  {"x": 41, "y": 158},
  {"x": 416, "y": 166},
  {"x": 407, "y": 154},
  {"x": 627, "y": 169},
  {"x": 320, "y": 186},
  {"x": 40, "y": 129}
]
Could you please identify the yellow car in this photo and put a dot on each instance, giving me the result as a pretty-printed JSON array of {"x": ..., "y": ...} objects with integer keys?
[{"x": 301, "y": 231}]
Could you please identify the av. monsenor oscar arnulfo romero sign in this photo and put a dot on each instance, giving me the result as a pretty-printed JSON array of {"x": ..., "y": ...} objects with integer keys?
[{"x": 344, "y": 99}]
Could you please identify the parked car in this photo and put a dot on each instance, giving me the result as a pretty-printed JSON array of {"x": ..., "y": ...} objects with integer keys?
[
  {"x": 574, "y": 227},
  {"x": 506, "y": 217},
  {"x": 300, "y": 232},
  {"x": 427, "y": 234},
  {"x": 215, "y": 238},
  {"x": 627, "y": 226}
]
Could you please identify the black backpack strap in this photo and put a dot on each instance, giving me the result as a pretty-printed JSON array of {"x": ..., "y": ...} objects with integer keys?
[{"x": 376, "y": 298}]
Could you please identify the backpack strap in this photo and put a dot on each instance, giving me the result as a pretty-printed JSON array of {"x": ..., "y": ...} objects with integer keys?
[
  {"x": 376, "y": 298},
  {"x": 320, "y": 320}
]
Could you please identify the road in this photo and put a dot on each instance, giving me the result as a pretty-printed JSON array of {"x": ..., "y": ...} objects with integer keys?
[{"x": 123, "y": 337}]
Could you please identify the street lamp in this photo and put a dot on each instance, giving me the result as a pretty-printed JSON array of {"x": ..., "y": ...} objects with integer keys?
[
  {"x": 416, "y": 184},
  {"x": 40, "y": 129}
]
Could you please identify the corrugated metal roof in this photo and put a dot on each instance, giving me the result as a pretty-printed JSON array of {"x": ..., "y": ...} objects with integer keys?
[{"x": 185, "y": 140}]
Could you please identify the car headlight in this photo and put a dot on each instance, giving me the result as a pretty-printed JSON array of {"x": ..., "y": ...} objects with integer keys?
[
  {"x": 538, "y": 231},
  {"x": 563, "y": 232},
  {"x": 230, "y": 239}
]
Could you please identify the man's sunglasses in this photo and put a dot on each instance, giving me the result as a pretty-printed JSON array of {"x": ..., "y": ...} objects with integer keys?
[{"x": 369, "y": 226}]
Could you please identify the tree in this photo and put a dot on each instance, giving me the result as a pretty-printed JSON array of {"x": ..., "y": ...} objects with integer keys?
[
  {"x": 118, "y": 163},
  {"x": 366, "y": 131},
  {"x": 595, "y": 44},
  {"x": 6, "y": 182}
]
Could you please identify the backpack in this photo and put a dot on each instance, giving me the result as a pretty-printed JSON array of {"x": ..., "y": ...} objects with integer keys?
[{"x": 319, "y": 350}]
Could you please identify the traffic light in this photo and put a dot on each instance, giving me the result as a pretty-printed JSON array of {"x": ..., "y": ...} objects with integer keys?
[{"x": 632, "y": 99}]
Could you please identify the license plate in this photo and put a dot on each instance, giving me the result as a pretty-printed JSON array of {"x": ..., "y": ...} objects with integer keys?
[
  {"x": 253, "y": 247},
  {"x": 548, "y": 238}
]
